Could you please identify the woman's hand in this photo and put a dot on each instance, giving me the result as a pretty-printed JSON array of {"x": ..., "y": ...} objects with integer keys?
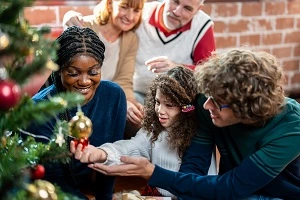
[
  {"x": 72, "y": 18},
  {"x": 88, "y": 154}
]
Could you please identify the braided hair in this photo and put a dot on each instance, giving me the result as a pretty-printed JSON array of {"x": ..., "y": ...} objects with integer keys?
[{"x": 76, "y": 41}]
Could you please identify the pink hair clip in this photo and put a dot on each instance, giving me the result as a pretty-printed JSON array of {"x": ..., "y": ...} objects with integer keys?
[{"x": 187, "y": 108}]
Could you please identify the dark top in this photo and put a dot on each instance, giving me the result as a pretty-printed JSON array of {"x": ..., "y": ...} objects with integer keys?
[{"x": 107, "y": 111}]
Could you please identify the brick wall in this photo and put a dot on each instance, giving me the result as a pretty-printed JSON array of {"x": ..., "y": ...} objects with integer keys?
[{"x": 270, "y": 25}]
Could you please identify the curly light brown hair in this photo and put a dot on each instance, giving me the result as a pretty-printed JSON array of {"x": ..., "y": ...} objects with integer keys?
[
  {"x": 179, "y": 87},
  {"x": 250, "y": 82},
  {"x": 102, "y": 13}
]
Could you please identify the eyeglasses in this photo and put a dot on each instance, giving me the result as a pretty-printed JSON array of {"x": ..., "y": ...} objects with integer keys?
[{"x": 217, "y": 105}]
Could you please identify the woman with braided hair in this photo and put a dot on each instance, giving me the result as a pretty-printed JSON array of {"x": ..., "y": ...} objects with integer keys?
[
  {"x": 114, "y": 21},
  {"x": 80, "y": 58},
  {"x": 169, "y": 125}
]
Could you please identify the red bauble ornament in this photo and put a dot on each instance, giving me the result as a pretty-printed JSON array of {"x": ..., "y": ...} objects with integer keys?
[
  {"x": 83, "y": 141},
  {"x": 10, "y": 93},
  {"x": 37, "y": 172}
]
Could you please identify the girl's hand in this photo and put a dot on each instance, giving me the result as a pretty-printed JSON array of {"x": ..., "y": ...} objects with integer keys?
[{"x": 88, "y": 154}]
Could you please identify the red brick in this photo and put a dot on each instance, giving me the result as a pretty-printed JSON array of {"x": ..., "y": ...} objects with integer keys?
[
  {"x": 260, "y": 25},
  {"x": 265, "y": 49},
  {"x": 226, "y": 9},
  {"x": 264, "y": 24},
  {"x": 225, "y": 42},
  {"x": 272, "y": 38},
  {"x": 238, "y": 26},
  {"x": 282, "y": 52},
  {"x": 55, "y": 32},
  {"x": 262, "y": 32},
  {"x": 291, "y": 65},
  {"x": 220, "y": 27},
  {"x": 293, "y": 7},
  {"x": 275, "y": 8},
  {"x": 285, "y": 23},
  {"x": 40, "y": 15},
  {"x": 287, "y": 78},
  {"x": 295, "y": 78},
  {"x": 297, "y": 51},
  {"x": 298, "y": 23},
  {"x": 292, "y": 37},
  {"x": 252, "y": 40},
  {"x": 207, "y": 8},
  {"x": 251, "y": 9}
]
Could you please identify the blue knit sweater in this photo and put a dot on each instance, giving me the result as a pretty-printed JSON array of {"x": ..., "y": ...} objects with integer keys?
[
  {"x": 264, "y": 161},
  {"x": 107, "y": 111}
]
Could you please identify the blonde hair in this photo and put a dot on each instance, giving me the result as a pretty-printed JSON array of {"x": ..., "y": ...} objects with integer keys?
[{"x": 102, "y": 12}]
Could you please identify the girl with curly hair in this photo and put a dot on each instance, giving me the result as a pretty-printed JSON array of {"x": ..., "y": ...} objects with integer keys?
[{"x": 168, "y": 127}]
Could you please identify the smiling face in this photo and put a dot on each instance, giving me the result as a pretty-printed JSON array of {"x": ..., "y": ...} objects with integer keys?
[
  {"x": 165, "y": 110},
  {"x": 126, "y": 13},
  {"x": 178, "y": 13},
  {"x": 82, "y": 75}
]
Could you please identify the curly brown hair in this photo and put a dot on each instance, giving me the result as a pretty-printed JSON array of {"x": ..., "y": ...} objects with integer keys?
[
  {"x": 179, "y": 86},
  {"x": 250, "y": 82}
]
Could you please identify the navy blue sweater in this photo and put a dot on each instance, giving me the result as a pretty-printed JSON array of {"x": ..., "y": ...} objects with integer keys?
[{"x": 107, "y": 111}]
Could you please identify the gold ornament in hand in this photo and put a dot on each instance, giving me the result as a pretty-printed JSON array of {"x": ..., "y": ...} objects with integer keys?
[{"x": 80, "y": 127}]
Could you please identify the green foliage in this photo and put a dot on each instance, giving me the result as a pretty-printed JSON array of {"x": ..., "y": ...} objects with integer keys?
[
  {"x": 27, "y": 53},
  {"x": 25, "y": 43},
  {"x": 39, "y": 112}
]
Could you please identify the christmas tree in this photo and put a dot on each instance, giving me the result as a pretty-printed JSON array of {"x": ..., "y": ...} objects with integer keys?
[{"x": 25, "y": 51}]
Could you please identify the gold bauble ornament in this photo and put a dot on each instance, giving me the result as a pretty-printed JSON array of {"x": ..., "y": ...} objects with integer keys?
[
  {"x": 80, "y": 126},
  {"x": 41, "y": 190}
]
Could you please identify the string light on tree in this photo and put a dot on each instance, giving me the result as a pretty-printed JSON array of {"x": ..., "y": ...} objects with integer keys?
[
  {"x": 4, "y": 41},
  {"x": 60, "y": 140}
]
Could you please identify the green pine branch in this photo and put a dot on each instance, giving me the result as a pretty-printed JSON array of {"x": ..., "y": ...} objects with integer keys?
[
  {"x": 27, "y": 111},
  {"x": 10, "y": 9},
  {"x": 24, "y": 154},
  {"x": 27, "y": 53},
  {"x": 28, "y": 50},
  {"x": 24, "y": 45}
]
